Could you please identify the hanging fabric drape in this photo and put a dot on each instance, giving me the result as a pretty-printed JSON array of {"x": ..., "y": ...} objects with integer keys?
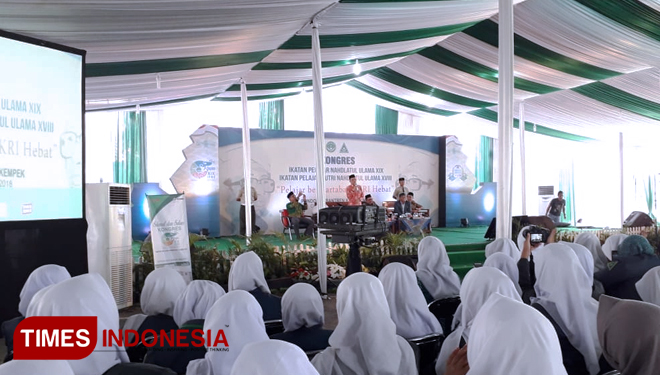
[
  {"x": 648, "y": 193},
  {"x": 567, "y": 186},
  {"x": 484, "y": 162},
  {"x": 387, "y": 120},
  {"x": 247, "y": 164},
  {"x": 130, "y": 164},
  {"x": 271, "y": 115}
]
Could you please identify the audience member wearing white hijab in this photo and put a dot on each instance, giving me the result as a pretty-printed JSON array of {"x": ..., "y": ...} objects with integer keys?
[
  {"x": 563, "y": 294},
  {"x": 612, "y": 244},
  {"x": 365, "y": 340},
  {"x": 511, "y": 338},
  {"x": 85, "y": 295},
  {"x": 28, "y": 367},
  {"x": 303, "y": 318},
  {"x": 478, "y": 285},
  {"x": 408, "y": 309},
  {"x": 247, "y": 273},
  {"x": 587, "y": 261},
  {"x": 592, "y": 243},
  {"x": 161, "y": 289},
  {"x": 507, "y": 265},
  {"x": 629, "y": 332},
  {"x": 272, "y": 357},
  {"x": 648, "y": 286},
  {"x": 503, "y": 245},
  {"x": 437, "y": 279},
  {"x": 189, "y": 312},
  {"x": 238, "y": 314},
  {"x": 40, "y": 278}
]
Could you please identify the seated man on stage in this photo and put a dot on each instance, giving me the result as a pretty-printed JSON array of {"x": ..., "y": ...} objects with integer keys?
[
  {"x": 414, "y": 206},
  {"x": 295, "y": 211},
  {"x": 369, "y": 200},
  {"x": 354, "y": 192},
  {"x": 402, "y": 206}
]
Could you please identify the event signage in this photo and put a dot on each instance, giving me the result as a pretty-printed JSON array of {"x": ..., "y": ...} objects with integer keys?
[{"x": 169, "y": 233}]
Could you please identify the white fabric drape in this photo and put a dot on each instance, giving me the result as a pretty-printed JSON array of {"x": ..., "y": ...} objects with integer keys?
[
  {"x": 247, "y": 273},
  {"x": 239, "y": 315},
  {"x": 648, "y": 286},
  {"x": 272, "y": 357},
  {"x": 40, "y": 278},
  {"x": 85, "y": 295},
  {"x": 29, "y": 367},
  {"x": 161, "y": 289},
  {"x": 302, "y": 306},
  {"x": 434, "y": 270},
  {"x": 564, "y": 290},
  {"x": 196, "y": 301},
  {"x": 499, "y": 331},
  {"x": 503, "y": 245},
  {"x": 408, "y": 308}
]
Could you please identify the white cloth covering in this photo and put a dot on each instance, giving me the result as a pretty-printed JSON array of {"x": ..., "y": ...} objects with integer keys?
[
  {"x": 161, "y": 289},
  {"x": 196, "y": 301},
  {"x": 478, "y": 285},
  {"x": 592, "y": 243},
  {"x": 272, "y": 357},
  {"x": 612, "y": 244},
  {"x": 28, "y": 367},
  {"x": 504, "y": 263},
  {"x": 648, "y": 286},
  {"x": 503, "y": 245},
  {"x": 408, "y": 308},
  {"x": 85, "y": 295},
  {"x": 511, "y": 338},
  {"x": 239, "y": 315},
  {"x": 302, "y": 306},
  {"x": 434, "y": 270},
  {"x": 365, "y": 340},
  {"x": 247, "y": 273},
  {"x": 564, "y": 290},
  {"x": 40, "y": 278},
  {"x": 584, "y": 256}
]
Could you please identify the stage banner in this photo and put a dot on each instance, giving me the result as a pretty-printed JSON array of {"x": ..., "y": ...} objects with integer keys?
[{"x": 169, "y": 233}]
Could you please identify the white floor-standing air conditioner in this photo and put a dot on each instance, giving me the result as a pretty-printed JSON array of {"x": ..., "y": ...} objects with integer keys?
[
  {"x": 546, "y": 193},
  {"x": 109, "y": 239}
]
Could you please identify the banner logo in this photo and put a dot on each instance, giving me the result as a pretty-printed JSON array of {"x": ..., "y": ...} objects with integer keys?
[
  {"x": 199, "y": 168},
  {"x": 344, "y": 149},
  {"x": 330, "y": 146},
  {"x": 55, "y": 337},
  {"x": 170, "y": 238}
]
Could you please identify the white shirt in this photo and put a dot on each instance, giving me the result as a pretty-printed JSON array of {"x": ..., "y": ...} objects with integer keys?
[{"x": 241, "y": 196}]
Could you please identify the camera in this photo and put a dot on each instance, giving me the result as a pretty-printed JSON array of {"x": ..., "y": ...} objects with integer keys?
[{"x": 537, "y": 234}]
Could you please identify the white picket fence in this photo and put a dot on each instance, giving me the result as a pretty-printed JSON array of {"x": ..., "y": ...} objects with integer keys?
[{"x": 569, "y": 235}]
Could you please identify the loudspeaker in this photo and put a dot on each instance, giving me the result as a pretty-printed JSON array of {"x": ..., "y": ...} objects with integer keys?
[
  {"x": 490, "y": 233},
  {"x": 638, "y": 219}
]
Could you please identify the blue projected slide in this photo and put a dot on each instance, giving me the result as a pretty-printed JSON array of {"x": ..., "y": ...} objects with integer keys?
[{"x": 40, "y": 132}]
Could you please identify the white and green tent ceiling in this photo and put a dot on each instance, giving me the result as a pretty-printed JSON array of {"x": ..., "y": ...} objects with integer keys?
[{"x": 581, "y": 66}]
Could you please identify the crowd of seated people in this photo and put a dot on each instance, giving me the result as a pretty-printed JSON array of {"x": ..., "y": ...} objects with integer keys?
[{"x": 528, "y": 310}]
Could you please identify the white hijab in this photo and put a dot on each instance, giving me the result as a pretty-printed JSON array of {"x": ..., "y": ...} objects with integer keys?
[
  {"x": 161, "y": 289},
  {"x": 40, "y": 278},
  {"x": 85, "y": 295},
  {"x": 408, "y": 308},
  {"x": 478, "y": 285},
  {"x": 584, "y": 256},
  {"x": 521, "y": 240},
  {"x": 503, "y": 245},
  {"x": 302, "y": 306},
  {"x": 434, "y": 270},
  {"x": 365, "y": 340},
  {"x": 592, "y": 243},
  {"x": 272, "y": 357},
  {"x": 28, "y": 367},
  {"x": 196, "y": 301},
  {"x": 247, "y": 273},
  {"x": 564, "y": 290},
  {"x": 511, "y": 338},
  {"x": 612, "y": 244},
  {"x": 239, "y": 315},
  {"x": 648, "y": 286},
  {"x": 507, "y": 265}
]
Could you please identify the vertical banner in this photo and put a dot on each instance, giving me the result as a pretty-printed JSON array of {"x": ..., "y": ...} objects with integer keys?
[{"x": 169, "y": 233}]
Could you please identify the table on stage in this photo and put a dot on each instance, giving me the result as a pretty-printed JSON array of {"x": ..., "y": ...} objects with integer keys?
[{"x": 412, "y": 225}]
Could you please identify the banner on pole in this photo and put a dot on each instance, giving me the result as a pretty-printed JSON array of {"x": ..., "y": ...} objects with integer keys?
[{"x": 169, "y": 233}]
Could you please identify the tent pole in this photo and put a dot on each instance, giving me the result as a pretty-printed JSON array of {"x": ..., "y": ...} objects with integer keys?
[
  {"x": 319, "y": 151},
  {"x": 521, "y": 132},
  {"x": 505, "y": 118},
  {"x": 247, "y": 165},
  {"x": 621, "y": 175}
]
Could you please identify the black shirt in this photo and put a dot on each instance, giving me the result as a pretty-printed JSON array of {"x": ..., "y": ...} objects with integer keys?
[
  {"x": 309, "y": 339},
  {"x": 270, "y": 304},
  {"x": 620, "y": 277},
  {"x": 557, "y": 206},
  {"x": 177, "y": 358}
]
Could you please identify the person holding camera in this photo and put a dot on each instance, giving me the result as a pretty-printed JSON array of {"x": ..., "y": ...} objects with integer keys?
[
  {"x": 556, "y": 207},
  {"x": 295, "y": 211},
  {"x": 535, "y": 237}
]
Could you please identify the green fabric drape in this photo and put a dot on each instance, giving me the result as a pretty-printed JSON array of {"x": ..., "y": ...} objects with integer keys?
[
  {"x": 131, "y": 148},
  {"x": 387, "y": 120},
  {"x": 567, "y": 185},
  {"x": 483, "y": 168},
  {"x": 271, "y": 115},
  {"x": 648, "y": 192}
]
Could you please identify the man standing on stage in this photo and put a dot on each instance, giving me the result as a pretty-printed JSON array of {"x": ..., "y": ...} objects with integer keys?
[
  {"x": 295, "y": 211},
  {"x": 400, "y": 189},
  {"x": 354, "y": 192},
  {"x": 556, "y": 207},
  {"x": 241, "y": 198}
]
